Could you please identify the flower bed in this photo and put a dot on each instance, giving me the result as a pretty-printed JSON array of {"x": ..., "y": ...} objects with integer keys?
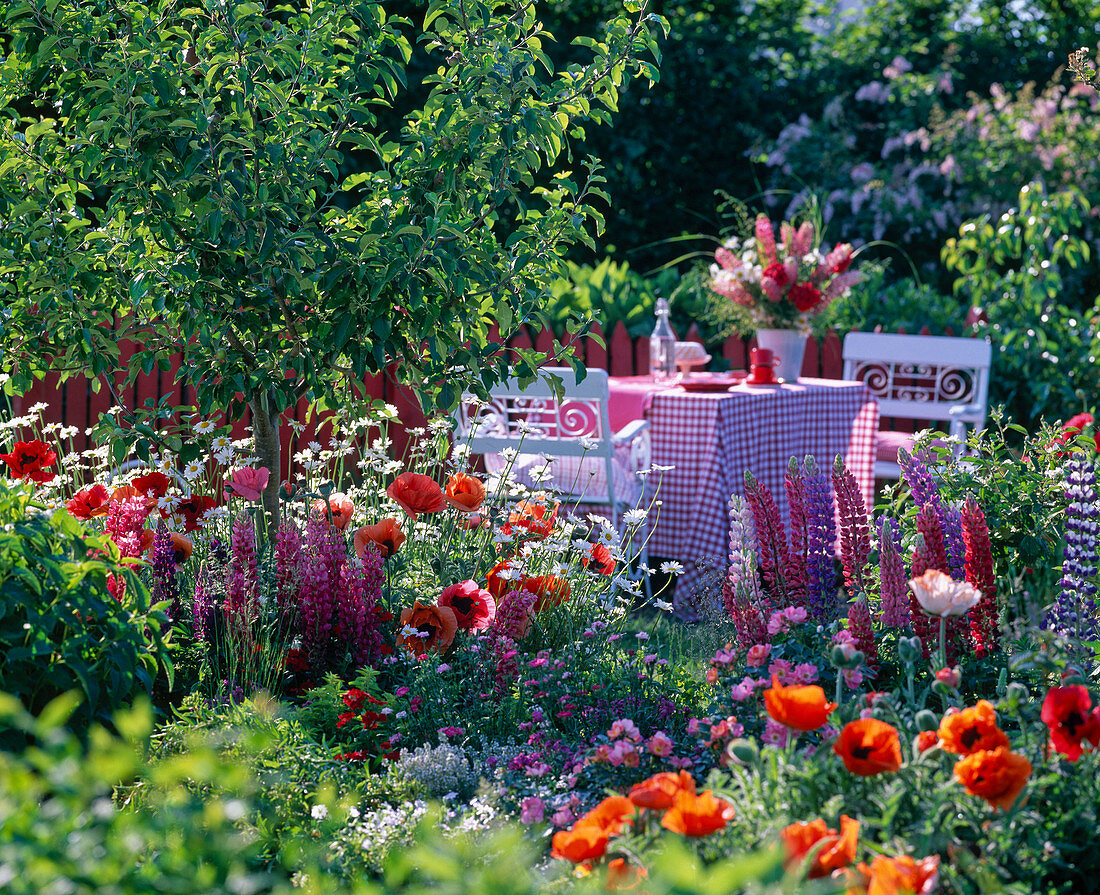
[{"x": 414, "y": 646}]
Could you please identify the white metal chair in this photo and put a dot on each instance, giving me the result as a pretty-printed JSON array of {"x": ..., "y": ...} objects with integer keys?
[
  {"x": 592, "y": 465},
  {"x": 934, "y": 378}
]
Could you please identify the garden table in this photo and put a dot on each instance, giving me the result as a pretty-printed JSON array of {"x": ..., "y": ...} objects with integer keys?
[{"x": 710, "y": 439}]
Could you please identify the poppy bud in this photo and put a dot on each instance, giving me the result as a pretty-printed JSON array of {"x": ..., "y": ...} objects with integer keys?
[
  {"x": 926, "y": 720},
  {"x": 857, "y": 659},
  {"x": 909, "y": 649},
  {"x": 1016, "y": 694},
  {"x": 837, "y": 656},
  {"x": 743, "y": 751},
  {"x": 940, "y": 688}
]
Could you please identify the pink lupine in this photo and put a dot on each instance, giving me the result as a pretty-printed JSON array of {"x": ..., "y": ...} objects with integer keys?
[
  {"x": 979, "y": 572},
  {"x": 796, "y": 574},
  {"x": 125, "y": 524},
  {"x": 803, "y": 240},
  {"x": 859, "y": 623},
  {"x": 288, "y": 553},
  {"x": 893, "y": 582},
  {"x": 855, "y": 533},
  {"x": 771, "y": 539},
  {"x": 771, "y": 289}
]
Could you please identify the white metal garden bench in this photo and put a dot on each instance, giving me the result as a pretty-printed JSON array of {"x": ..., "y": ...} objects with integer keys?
[{"x": 927, "y": 378}]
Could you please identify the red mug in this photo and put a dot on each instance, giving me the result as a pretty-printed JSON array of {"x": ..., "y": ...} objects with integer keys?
[{"x": 763, "y": 360}]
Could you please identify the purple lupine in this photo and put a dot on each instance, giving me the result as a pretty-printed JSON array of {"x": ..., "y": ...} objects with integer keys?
[
  {"x": 741, "y": 595},
  {"x": 821, "y": 541},
  {"x": 771, "y": 539},
  {"x": 917, "y": 476},
  {"x": 855, "y": 529},
  {"x": 893, "y": 582},
  {"x": 954, "y": 544},
  {"x": 797, "y": 580},
  {"x": 1075, "y": 611},
  {"x": 165, "y": 587}
]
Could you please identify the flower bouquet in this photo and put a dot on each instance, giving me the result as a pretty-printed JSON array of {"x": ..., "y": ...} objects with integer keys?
[{"x": 779, "y": 285}]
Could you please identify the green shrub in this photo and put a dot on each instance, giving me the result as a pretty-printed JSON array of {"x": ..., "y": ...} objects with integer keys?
[
  {"x": 1015, "y": 268},
  {"x": 60, "y": 627}
]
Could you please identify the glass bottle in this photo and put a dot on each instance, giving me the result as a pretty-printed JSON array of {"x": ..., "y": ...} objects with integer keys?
[{"x": 662, "y": 346}]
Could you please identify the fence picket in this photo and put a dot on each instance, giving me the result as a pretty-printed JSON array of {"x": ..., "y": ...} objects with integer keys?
[{"x": 620, "y": 354}]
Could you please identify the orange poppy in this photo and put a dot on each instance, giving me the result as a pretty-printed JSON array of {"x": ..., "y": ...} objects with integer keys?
[
  {"x": 386, "y": 535},
  {"x": 416, "y": 494},
  {"x": 464, "y": 492},
  {"x": 536, "y": 515},
  {"x": 996, "y": 775},
  {"x": 799, "y": 707},
  {"x": 901, "y": 875},
  {"x": 585, "y": 842},
  {"x": 659, "y": 792},
  {"x": 697, "y": 815},
  {"x": 926, "y": 739},
  {"x": 622, "y": 876},
  {"x": 972, "y": 730},
  {"x": 868, "y": 747},
  {"x": 425, "y": 628},
  {"x": 612, "y": 814},
  {"x": 340, "y": 506},
  {"x": 834, "y": 852}
]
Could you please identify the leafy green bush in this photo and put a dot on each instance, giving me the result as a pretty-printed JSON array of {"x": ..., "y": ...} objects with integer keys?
[
  {"x": 1015, "y": 268},
  {"x": 60, "y": 627},
  {"x": 881, "y": 300}
]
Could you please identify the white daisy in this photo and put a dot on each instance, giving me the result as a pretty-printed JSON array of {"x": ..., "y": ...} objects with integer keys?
[
  {"x": 204, "y": 427},
  {"x": 193, "y": 470},
  {"x": 671, "y": 567}
]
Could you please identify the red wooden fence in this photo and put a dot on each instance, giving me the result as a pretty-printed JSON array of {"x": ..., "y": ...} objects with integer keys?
[{"x": 74, "y": 403}]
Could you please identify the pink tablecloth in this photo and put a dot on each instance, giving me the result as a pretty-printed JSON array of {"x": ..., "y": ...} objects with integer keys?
[{"x": 710, "y": 439}]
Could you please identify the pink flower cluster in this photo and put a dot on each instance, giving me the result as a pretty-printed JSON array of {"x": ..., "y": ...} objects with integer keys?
[{"x": 783, "y": 620}]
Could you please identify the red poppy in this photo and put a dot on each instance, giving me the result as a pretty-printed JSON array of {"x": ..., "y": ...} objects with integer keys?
[
  {"x": 835, "y": 851},
  {"x": 996, "y": 775},
  {"x": 868, "y": 747},
  {"x": 474, "y": 607},
  {"x": 89, "y": 503},
  {"x": 659, "y": 792},
  {"x": 427, "y": 628},
  {"x": 29, "y": 459},
  {"x": 535, "y": 515},
  {"x": 927, "y": 739},
  {"x": 341, "y": 508},
  {"x": 1074, "y": 426},
  {"x": 800, "y": 707},
  {"x": 155, "y": 484},
  {"x": 972, "y": 730},
  {"x": 193, "y": 508},
  {"x": 550, "y": 590},
  {"x": 464, "y": 492},
  {"x": 600, "y": 558},
  {"x": 697, "y": 815},
  {"x": 1066, "y": 713},
  {"x": 416, "y": 494}
]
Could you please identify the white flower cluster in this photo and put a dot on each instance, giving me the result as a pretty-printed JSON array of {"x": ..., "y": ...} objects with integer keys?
[{"x": 437, "y": 769}]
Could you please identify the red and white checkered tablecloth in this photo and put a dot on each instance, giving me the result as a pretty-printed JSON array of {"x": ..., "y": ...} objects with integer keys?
[{"x": 710, "y": 439}]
